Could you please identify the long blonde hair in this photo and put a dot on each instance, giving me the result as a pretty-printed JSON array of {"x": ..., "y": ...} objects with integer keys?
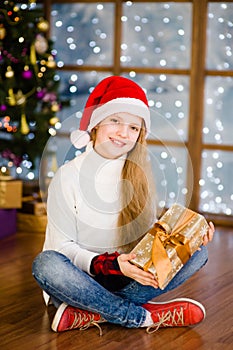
[{"x": 137, "y": 194}]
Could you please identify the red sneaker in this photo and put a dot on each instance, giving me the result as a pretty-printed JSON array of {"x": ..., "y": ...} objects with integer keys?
[
  {"x": 68, "y": 318},
  {"x": 175, "y": 313}
]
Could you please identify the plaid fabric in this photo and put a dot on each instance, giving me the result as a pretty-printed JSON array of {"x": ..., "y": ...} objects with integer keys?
[{"x": 105, "y": 264}]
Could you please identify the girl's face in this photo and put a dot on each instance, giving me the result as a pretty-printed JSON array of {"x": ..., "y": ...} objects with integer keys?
[{"x": 117, "y": 134}]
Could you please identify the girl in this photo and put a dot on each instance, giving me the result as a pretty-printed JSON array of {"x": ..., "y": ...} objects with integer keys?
[{"x": 99, "y": 205}]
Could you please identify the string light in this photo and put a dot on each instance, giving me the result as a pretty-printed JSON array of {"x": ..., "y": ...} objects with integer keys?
[{"x": 16, "y": 118}]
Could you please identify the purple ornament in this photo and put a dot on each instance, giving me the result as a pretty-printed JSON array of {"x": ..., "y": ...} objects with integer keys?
[
  {"x": 8, "y": 154},
  {"x": 50, "y": 97},
  {"x": 3, "y": 108},
  {"x": 40, "y": 94},
  {"x": 27, "y": 74}
]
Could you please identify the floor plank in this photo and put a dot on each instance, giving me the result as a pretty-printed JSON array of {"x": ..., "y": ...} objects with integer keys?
[{"x": 25, "y": 321}]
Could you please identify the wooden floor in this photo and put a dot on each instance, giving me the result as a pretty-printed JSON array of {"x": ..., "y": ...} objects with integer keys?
[{"x": 25, "y": 322}]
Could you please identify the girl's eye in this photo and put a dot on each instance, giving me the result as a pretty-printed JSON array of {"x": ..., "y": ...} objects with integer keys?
[
  {"x": 135, "y": 128},
  {"x": 114, "y": 120}
]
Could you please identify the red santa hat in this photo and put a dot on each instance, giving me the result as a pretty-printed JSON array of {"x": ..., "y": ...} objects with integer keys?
[{"x": 114, "y": 94}]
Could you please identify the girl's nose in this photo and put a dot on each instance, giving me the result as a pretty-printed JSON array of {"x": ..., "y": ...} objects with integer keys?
[{"x": 123, "y": 130}]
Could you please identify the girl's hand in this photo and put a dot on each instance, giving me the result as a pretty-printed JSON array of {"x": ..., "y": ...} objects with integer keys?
[
  {"x": 209, "y": 235},
  {"x": 134, "y": 272}
]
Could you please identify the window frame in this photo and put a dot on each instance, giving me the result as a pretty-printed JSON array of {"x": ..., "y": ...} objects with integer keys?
[{"x": 197, "y": 74}]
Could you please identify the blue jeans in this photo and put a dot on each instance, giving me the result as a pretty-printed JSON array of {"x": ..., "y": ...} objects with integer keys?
[{"x": 65, "y": 282}]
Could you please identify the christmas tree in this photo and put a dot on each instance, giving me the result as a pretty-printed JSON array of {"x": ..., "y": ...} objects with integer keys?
[{"x": 29, "y": 98}]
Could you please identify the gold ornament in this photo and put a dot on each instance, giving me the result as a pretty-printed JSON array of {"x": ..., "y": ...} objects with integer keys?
[
  {"x": 55, "y": 107},
  {"x": 43, "y": 25},
  {"x": 54, "y": 120},
  {"x": 20, "y": 98},
  {"x": 24, "y": 125},
  {"x": 54, "y": 165},
  {"x": 33, "y": 54},
  {"x": 41, "y": 44},
  {"x": 9, "y": 72},
  {"x": 11, "y": 100},
  {"x": 51, "y": 63},
  {"x": 2, "y": 32}
]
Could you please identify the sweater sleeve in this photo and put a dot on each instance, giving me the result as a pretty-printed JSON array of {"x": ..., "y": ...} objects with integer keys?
[
  {"x": 105, "y": 264},
  {"x": 61, "y": 231}
]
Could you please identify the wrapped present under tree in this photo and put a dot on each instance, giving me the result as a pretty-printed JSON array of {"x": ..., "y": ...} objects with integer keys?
[
  {"x": 7, "y": 222},
  {"x": 10, "y": 200},
  {"x": 170, "y": 243},
  {"x": 11, "y": 194}
]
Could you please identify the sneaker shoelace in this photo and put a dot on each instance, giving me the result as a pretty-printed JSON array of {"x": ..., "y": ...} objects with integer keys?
[
  {"x": 167, "y": 319},
  {"x": 83, "y": 321}
]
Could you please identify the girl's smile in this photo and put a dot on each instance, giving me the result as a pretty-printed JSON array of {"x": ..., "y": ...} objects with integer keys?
[{"x": 117, "y": 142}]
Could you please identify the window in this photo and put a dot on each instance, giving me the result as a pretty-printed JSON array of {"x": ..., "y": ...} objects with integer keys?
[{"x": 181, "y": 53}]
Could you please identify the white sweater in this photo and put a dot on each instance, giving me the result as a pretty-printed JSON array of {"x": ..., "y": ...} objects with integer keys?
[{"x": 83, "y": 206}]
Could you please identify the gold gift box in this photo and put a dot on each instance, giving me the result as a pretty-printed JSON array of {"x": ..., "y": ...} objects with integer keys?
[
  {"x": 11, "y": 194},
  {"x": 170, "y": 243}
]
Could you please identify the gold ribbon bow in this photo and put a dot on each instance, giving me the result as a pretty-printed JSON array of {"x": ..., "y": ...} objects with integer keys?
[{"x": 163, "y": 236}]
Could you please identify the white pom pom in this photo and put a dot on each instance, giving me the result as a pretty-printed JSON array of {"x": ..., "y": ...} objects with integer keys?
[{"x": 79, "y": 138}]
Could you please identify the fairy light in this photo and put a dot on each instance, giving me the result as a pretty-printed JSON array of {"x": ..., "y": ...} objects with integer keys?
[{"x": 3, "y": 169}]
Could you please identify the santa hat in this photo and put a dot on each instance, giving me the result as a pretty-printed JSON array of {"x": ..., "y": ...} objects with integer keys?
[{"x": 112, "y": 95}]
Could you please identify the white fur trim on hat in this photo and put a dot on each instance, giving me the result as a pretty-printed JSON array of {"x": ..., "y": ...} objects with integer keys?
[
  {"x": 79, "y": 138},
  {"x": 122, "y": 104}
]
